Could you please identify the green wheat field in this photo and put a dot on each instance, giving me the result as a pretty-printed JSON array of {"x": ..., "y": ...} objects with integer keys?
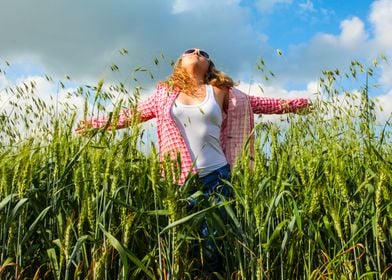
[{"x": 316, "y": 204}]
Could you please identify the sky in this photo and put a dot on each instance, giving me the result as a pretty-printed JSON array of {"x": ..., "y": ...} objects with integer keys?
[{"x": 297, "y": 39}]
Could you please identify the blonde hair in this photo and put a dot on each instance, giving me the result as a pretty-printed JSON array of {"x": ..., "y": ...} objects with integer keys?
[{"x": 181, "y": 80}]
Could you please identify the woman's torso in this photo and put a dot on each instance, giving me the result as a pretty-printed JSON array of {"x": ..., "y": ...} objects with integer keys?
[{"x": 199, "y": 121}]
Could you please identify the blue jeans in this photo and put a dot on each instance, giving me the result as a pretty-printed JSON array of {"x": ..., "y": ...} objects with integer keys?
[
  {"x": 212, "y": 182},
  {"x": 212, "y": 185}
]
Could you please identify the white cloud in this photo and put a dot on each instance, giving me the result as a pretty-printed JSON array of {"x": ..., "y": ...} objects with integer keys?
[
  {"x": 351, "y": 38},
  {"x": 381, "y": 18},
  {"x": 85, "y": 44},
  {"x": 305, "y": 61},
  {"x": 3, "y": 82},
  {"x": 277, "y": 91},
  {"x": 346, "y": 103},
  {"x": 33, "y": 102},
  {"x": 307, "y": 6},
  {"x": 268, "y": 5},
  {"x": 180, "y": 6},
  {"x": 353, "y": 33},
  {"x": 386, "y": 76},
  {"x": 384, "y": 107}
]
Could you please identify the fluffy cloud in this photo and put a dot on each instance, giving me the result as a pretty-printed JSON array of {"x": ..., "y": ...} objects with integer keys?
[
  {"x": 386, "y": 76},
  {"x": 305, "y": 61},
  {"x": 268, "y": 5},
  {"x": 381, "y": 18},
  {"x": 78, "y": 38},
  {"x": 276, "y": 91},
  {"x": 384, "y": 104},
  {"x": 307, "y": 6},
  {"x": 22, "y": 104},
  {"x": 3, "y": 83},
  {"x": 82, "y": 38},
  {"x": 180, "y": 6},
  {"x": 353, "y": 33}
]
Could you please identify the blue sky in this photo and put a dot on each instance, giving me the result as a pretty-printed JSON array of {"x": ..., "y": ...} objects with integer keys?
[
  {"x": 296, "y": 22},
  {"x": 83, "y": 38}
]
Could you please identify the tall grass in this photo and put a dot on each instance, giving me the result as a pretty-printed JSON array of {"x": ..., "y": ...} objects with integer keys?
[{"x": 316, "y": 204}]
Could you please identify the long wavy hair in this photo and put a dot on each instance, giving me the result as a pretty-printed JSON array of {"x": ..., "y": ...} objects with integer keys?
[{"x": 180, "y": 79}]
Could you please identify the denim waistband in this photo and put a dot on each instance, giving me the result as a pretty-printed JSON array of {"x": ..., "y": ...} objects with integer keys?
[
  {"x": 212, "y": 182},
  {"x": 220, "y": 173}
]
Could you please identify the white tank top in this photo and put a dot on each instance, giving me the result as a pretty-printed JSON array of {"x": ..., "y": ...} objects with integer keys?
[{"x": 200, "y": 126}]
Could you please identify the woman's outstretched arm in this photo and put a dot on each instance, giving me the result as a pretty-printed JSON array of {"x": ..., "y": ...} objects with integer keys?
[
  {"x": 267, "y": 105},
  {"x": 145, "y": 111}
]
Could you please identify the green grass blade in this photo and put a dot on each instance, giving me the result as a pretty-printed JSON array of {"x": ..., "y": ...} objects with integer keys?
[
  {"x": 34, "y": 225},
  {"x": 78, "y": 244},
  {"x": 53, "y": 262},
  {"x": 191, "y": 216},
  {"x": 17, "y": 207},
  {"x": 125, "y": 255},
  {"x": 6, "y": 200}
]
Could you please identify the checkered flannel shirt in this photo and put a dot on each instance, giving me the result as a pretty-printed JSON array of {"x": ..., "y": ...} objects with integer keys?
[{"x": 236, "y": 129}]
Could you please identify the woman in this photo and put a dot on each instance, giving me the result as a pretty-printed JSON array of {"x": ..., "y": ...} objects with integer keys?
[
  {"x": 200, "y": 115},
  {"x": 203, "y": 119}
]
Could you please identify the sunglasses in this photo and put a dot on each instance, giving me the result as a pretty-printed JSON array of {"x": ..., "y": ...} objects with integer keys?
[{"x": 198, "y": 51}]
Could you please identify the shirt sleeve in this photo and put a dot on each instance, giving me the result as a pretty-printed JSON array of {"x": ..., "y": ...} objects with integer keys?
[
  {"x": 145, "y": 109},
  {"x": 266, "y": 105},
  {"x": 148, "y": 108}
]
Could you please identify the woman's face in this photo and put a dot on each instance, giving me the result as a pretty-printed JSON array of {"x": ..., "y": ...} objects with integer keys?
[{"x": 195, "y": 59}]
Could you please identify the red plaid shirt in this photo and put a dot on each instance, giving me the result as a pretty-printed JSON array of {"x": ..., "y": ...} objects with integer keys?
[{"x": 237, "y": 125}]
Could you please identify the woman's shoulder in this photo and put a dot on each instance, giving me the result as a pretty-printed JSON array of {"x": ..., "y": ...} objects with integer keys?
[
  {"x": 165, "y": 87},
  {"x": 220, "y": 90},
  {"x": 162, "y": 87}
]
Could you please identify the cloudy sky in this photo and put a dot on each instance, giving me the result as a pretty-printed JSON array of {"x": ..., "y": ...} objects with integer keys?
[{"x": 296, "y": 38}]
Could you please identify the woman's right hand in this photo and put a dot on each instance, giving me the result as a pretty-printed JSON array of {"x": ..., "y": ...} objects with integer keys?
[{"x": 84, "y": 126}]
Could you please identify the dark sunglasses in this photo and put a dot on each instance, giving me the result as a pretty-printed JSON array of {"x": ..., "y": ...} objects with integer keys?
[{"x": 200, "y": 52}]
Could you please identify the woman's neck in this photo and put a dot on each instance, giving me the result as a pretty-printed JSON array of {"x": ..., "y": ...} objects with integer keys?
[{"x": 197, "y": 77}]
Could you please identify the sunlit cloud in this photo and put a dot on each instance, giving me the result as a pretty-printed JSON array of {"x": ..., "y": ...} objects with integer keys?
[
  {"x": 268, "y": 5},
  {"x": 381, "y": 19},
  {"x": 307, "y": 6}
]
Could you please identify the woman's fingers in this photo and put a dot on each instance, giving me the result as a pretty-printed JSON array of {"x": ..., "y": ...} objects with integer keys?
[{"x": 82, "y": 127}]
